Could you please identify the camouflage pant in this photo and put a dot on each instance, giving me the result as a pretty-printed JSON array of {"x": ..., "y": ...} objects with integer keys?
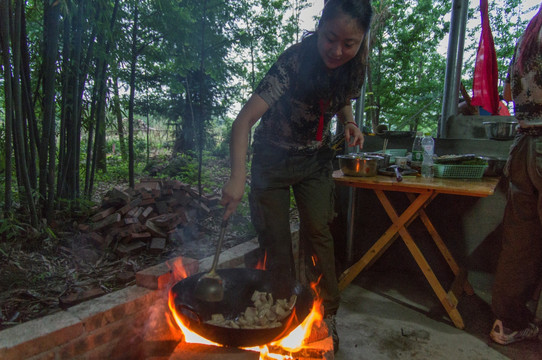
[
  {"x": 520, "y": 262},
  {"x": 273, "y": 174}
]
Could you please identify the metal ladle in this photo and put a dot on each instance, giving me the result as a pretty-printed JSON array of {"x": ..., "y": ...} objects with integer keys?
[{"x": 210, "y": 286}]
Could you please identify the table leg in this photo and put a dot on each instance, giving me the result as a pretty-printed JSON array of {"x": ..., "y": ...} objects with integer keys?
[
  {"x": 449, "y": 302},
  {"x": 350, "y": 224},
  {"x": 466, "y": 286},
  {"x": 385, "y": 240}
]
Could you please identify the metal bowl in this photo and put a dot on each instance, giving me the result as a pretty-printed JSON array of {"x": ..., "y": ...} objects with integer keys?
[
  {"x": 383, "y": 159},
  {"x": 500, "y": 130},
  {"x": 359, "y": 164},
  {"x": 495, "y": 166}
]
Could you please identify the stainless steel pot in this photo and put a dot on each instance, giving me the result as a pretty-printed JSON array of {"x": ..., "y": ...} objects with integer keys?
[
  {"x": 359, "y": 164},
  {"x": 383, "y": 159},
  {"x": 495, "y": 165},
  {"x": 497, "y": 130}
]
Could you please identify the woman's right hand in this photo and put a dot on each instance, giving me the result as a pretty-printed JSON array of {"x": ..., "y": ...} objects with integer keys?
[{"x": 232, "y": 194}]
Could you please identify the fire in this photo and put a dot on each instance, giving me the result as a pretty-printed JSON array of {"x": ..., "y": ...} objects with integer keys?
[
  {"x": 296, "y": 339},
  {"x": 189, "y": 335},
  {"x": 294, "y": 342},
  {"x": 262, "y": 263},
  {"x": 178, "y": 270}
]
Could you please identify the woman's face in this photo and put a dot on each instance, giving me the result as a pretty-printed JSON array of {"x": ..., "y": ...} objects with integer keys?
[{"x": 339, "y": 40}]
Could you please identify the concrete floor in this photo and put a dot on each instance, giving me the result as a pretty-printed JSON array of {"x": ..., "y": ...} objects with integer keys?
[{"x": 395, "y": 315}]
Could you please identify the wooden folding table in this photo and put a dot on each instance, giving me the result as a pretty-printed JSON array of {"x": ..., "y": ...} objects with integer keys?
[{"x": 420, "y": 192}]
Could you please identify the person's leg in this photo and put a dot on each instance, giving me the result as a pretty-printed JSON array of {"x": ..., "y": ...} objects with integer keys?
[
  {"x": 269, "y": 208},
  {"x": 518, "y": 268},
  {"x": 314, "y": 198}
]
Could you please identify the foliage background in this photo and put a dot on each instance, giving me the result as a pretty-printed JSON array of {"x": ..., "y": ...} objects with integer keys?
[{"x": 101, "y": 90}]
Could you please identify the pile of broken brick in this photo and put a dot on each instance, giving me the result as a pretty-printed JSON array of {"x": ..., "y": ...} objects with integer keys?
[{"x": 148, "y": 216}]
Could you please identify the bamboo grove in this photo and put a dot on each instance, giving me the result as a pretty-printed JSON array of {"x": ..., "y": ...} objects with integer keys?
[
  {"x": 71, "y": 70},
  {"x": 65, "y": 63}
]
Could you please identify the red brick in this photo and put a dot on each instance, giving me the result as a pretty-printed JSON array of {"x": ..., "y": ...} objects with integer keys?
[
  {"x": 164, "y": 221},
  {"x": 131, "y": 248},
  {"x": 132, "y": 204},
  {"x": 106, "y": 339},
  {"x": 118, "y": 192},
  {"x": 111, "y": 219},
  {"x": 48, "y": 355},
  {"x": 130, "y": 220},
  {"x": 157, "y": 245},
  {"x": 134, "y": 212},
  {"x": 97, "y": 239},
  {"x": 39, "y": 336},
  {"x": 113, "y": 307},
  {"x": 161, "y": 276},
  {"x": 143, "y": 236},
  {"x": 146, "y": 212},
  {"x": 155, "y": 230},
  {"x": 148, "y": 184},
  {"x": 76, "y": 298},
  {"x": 102, "y": 214},
  {"x": 146, "y": 195},
  {"x": 146, "y": 202}
]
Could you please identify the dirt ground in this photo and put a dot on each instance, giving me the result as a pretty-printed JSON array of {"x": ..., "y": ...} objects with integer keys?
[
  {"x": 41, "y": 276},
  {"x": 37, "y": 282}
]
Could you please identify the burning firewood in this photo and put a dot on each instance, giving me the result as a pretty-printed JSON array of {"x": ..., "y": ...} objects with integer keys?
[{"x": 266, "y": 313}]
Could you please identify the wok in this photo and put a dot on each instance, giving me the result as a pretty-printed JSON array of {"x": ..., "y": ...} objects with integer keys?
[{"x": 239, "y": 285}]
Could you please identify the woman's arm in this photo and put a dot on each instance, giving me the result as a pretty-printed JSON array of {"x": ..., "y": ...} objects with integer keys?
[
  {"x": 233, "y": 190},
  {"x": 353, "y": 135}
]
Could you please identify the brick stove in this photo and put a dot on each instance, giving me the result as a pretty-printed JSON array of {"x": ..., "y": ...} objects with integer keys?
[
  {"x": 322, "y": 349},
  {"x": 131, "y": 324},
  {"x": 319, "y": 345},
  {"x": 163, "y": 343}
]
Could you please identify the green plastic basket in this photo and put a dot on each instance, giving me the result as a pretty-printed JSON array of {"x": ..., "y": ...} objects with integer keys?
[
  {"x": 393, "y": 153},
  {"x": 459, "y": 171},
  {"x": 396, "y": 152}
]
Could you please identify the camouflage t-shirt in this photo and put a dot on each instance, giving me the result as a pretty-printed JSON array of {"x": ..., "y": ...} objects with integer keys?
[
  {"x": 291, "y": 123},
  {"x": 527, "y": 89}
]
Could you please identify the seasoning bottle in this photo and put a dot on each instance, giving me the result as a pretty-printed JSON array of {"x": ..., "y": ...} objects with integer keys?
[
  {"x": 417, "y": 151},
  {"x": 428, "y": 144}
]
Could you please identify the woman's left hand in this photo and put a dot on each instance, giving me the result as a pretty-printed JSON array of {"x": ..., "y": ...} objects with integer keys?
[{"x": 353, "y": 135}]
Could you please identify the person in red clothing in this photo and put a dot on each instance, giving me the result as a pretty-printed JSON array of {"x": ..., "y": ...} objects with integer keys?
[{"x": 520, "y": 262}]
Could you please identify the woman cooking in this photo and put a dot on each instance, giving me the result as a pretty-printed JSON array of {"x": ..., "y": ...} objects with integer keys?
[{"x": 310, "y": 83}]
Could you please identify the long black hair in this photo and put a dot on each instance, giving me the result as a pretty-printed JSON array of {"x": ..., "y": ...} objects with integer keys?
[{"x": 318, "y": 82}]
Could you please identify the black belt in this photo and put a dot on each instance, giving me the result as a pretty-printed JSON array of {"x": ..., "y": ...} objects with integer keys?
[
  {"x": 530, "y": 131},
  {"x": 309, "y": 151}
]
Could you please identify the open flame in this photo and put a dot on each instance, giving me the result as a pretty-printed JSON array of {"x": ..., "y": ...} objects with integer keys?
[
  {"x": 294, "y": 342},
  {"x": 262, "y": 263}
]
